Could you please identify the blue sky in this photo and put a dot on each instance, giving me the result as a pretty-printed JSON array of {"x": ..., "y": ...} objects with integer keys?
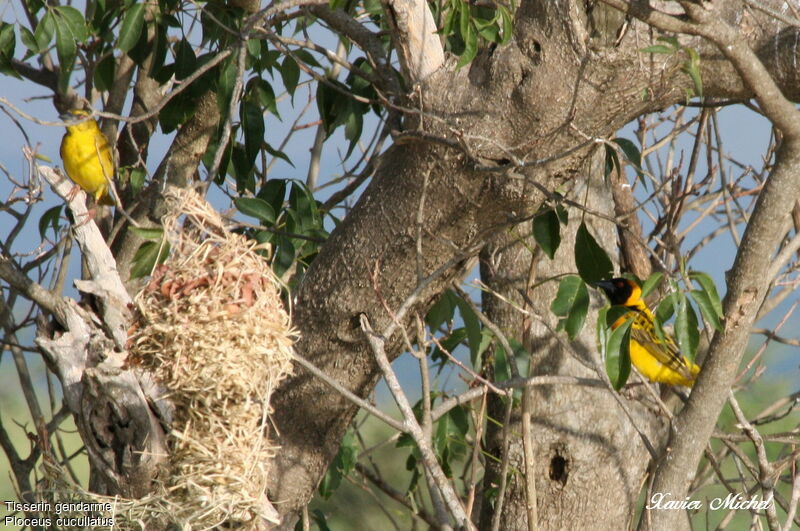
[{"x": 745, "y": 133}]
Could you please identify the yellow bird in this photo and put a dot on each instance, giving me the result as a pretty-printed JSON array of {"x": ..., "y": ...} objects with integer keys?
[
  {"x": 87, "y": 156},
  {"x": 657, "y": 360}
]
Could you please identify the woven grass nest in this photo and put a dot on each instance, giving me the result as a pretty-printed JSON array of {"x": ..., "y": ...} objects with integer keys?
[{"x": 213, "y": 330}]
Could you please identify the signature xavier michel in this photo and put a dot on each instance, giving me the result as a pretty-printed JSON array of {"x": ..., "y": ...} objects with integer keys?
[{"x": 663, "y": 500}]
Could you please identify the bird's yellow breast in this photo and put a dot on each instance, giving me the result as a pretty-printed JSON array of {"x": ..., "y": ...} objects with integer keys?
[{"x": 87, "y": 158}]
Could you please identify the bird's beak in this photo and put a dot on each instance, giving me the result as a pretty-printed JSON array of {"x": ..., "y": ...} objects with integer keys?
[{"x": 605, "y": 285}]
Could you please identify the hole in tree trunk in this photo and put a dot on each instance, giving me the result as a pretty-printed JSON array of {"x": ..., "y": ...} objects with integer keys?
[{"x": 559, "y": 467}]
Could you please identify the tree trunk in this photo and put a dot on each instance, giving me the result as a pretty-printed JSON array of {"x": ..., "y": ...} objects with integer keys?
[
  {"x": 589, "y": 462},
  {"x": 556, "y": 88}
]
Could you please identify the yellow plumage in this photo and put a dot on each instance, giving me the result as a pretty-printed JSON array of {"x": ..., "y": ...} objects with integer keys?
[
  {"x": 87, "y": 157},
  {"x": 657, "y": 360}
]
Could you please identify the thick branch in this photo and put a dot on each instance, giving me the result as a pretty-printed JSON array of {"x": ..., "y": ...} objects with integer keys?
[
  {"x": 415, "y": 35},
  {"x": 105, "y": 280}
]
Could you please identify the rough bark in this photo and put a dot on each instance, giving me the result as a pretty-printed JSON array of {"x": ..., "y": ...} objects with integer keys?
[
  {"x": 553, "y": 88},
  {"x": 541, "y": 102},
  {"x": 586, "y": 451}
]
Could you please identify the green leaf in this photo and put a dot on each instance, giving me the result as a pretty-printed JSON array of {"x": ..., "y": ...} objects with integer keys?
[
  {"x": 612, "y": 162},
  {"x": 706, "y": 308},
  {"x": 464, "y": 18},
  {"x": 561, "y": 212},
  {"x": 442, "y": 312},
  {"x": 277, "y": 153},
  {"x": 147, "y": 257},
  {"x": 225, "y": 84},
  {"x": 671, "y": 40},
  {"x": 473, "y": 326},
  {"x": 449, "y": 22},
  {"x": 547, "y": 232},
  {"x": 137, "y": 179},
  {"x": 341, "y": 466},
  {"x": 664, "y": 311},
  {"x": 508, "y": 25},
  {"x": 269, "y": 58},
  {"x": 332, "y": 105},
  {"x": 577, "y": 315},
  {"x": 592, "y": 261},
  {"x": 131, "y": 29},
  {"x": 502, "y": 371},
  {"x": 602, "y": 329},
  {"x": 66, "y": 46},
  {"x": 185, "y": 59},
  {"x": 353, "y": 125},
  {"x": 7, "y": 40},
  {"x": 284, "y": 255},
  {"x": 257, "y": 208},
  {"x": 243, "y": 170},
  {"x": 253, "y": 54},
  {"x": 290, "y": 73},
  {"x": 103, "y": 77},
  {"x": 74, "y": 21},
  {"x": 306, "y": 57},
  {"x": 487, "y": 337},
  {"x": 614, "y": 313},
  {"x": 175, "y": 113},
  {"x": 319, "y": 518},
  {"x": 44, "y": 32},
  {"x": 150, "y": 234},
  {"x": 633, "y": 155},
  {"x": 274, "y": 193},
  {"x": 565, "y": 298},
  {"x": 489, "y": 31},
  {"x": 449, "y": 439},
  {"x": 449, "y": 343},
  {"x": 253, "y": 129},
  {"x": 260, "y": 92},
  {"x": 618, "y": 355},
  {"x": 686, "y": 328},
  {"x": 302, "y": 201},
  {"x": 692, "y": 67},
  {"x": 708, "y": 286},
  {"x": 666, "y": 308},
  {"x": 470, "y": 47},
  {"x": 658, "y": 48},
  {"x": 28, "y": 39},
  {"x": 571, "y": 303},
  {"x": 651, "y": 283},
  {"x": 50, "y": 218},
  {"x": 8, "y": 43}
]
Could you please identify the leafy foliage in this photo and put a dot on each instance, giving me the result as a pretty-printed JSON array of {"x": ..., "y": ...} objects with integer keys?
[
  {"x": 294, "y": 227},
  {"x": 466, "y": 27},
  {"x": 547, "y": 228},
  {"x": 571, "y": 304},
  {"x": 172, "y": 41},
  {"x": 614, "y": 344},
  {"x": 632, "y": 155},
  {"x": 592, "y": 261},
  {"x": 342, "y": 465},
  {"x": 691, "y": 65},
  {"x": 152, "y": 252}
]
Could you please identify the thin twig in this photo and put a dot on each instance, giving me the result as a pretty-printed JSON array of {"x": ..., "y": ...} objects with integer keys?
[{"x": 377, "y": 343}]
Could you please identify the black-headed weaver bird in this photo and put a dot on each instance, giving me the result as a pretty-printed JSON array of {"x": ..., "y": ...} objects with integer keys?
[
  {"x": 87, "y": 156},
  {"x": 657, "y": 360}
]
